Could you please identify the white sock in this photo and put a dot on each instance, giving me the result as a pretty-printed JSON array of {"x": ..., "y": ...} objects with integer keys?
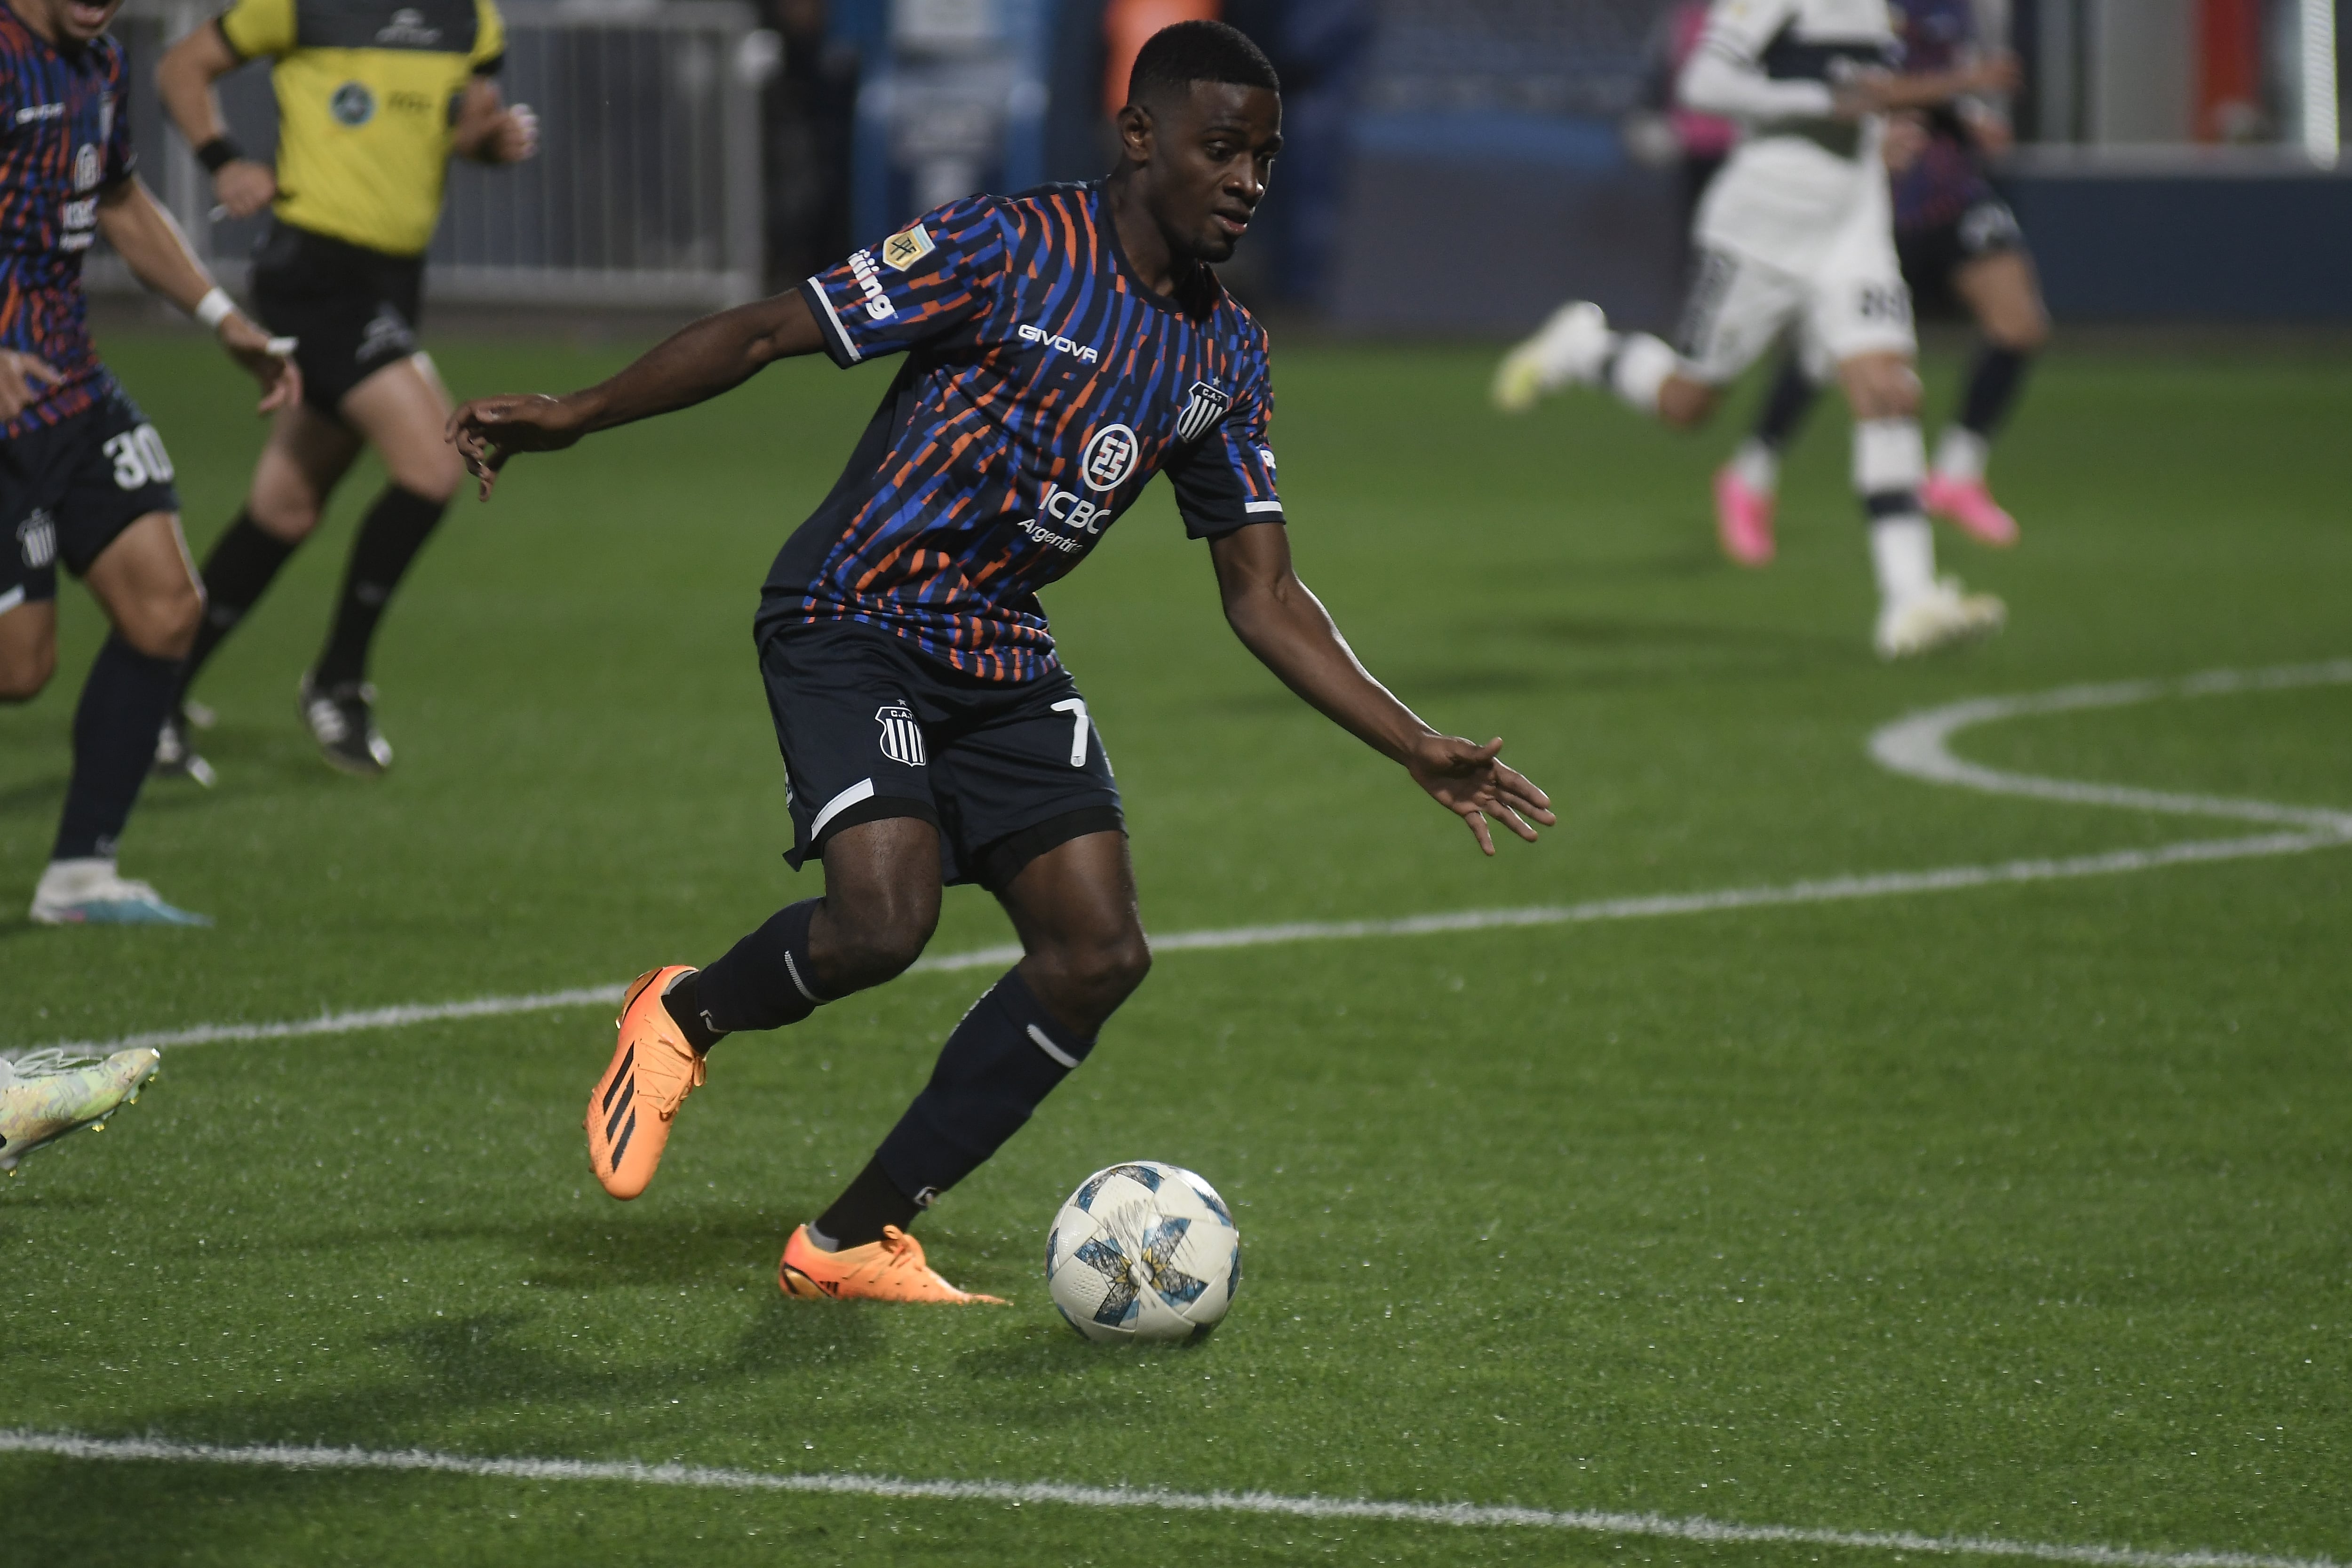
[
  {"x": 67, "y": 881},
  {"x": 1961, "y": 454},
  {"x": 1903, "y": 554},
  {"x": 1639, "y": 368},
  {"x": 1890, "y": 459},
  {"x": 1757, "y": 466}
]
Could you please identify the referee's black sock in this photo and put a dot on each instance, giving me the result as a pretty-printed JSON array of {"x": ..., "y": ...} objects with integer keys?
[
  {"x": 243, "y": 562},
  {"x": 395, "y": 530},
  {"x": 122, "y": 706},
  {"x": 998, "y": 1066}
]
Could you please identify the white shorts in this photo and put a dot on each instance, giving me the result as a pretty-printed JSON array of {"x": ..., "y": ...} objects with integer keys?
[{"x": 1854, "y": 303}]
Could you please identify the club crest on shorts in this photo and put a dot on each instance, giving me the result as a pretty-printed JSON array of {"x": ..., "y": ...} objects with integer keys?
[
  {"x": 1206, "y": 406},
  {"x": 902, "y": 738},
  {"x": 37, "y": 538}
]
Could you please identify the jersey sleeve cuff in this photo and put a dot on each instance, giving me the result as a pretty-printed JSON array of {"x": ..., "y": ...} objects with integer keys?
[
  {"x": 1223, "y": 523},
  {"x": 838, "y": 345},
  {"x": 490, "y": 66},
  {"x": 220, "y": 29}
]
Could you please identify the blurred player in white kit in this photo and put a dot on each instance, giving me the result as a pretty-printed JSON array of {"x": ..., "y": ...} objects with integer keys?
[{"x": 1797, "y": 235}]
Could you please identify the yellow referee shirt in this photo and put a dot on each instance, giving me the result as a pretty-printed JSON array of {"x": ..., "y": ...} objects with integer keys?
[{"x": 365, "y": 95}]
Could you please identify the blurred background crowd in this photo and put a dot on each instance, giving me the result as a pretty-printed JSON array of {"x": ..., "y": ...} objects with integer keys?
[{"x": 1452, "y": 165}]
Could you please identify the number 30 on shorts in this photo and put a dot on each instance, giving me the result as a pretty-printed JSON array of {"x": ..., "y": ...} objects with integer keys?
[{"x": 140, "y": 459}]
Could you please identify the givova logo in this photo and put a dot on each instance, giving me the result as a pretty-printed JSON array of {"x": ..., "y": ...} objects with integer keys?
[
  {"x": 36, "y": 539},
  {"x": 902, "y": 737}
]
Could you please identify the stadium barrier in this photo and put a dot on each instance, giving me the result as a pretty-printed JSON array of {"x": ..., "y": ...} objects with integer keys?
[{"x": 647, "y": 189}]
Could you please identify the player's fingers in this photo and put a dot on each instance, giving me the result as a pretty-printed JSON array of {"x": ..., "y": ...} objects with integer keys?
[
  {"x": 1520, "y": 786},
  {"x": 1475, "y": 821},
  {"x": 1512, "y": 820},
  {"x": 39, "y": 370}
]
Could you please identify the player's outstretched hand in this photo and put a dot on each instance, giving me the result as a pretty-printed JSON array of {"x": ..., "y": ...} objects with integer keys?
[
  {"x": 489, "y": 430},
  {"x": 22, "y": 379},
  {"x": 269, "y": 360},
  {"x": 1468, "y": 781}
]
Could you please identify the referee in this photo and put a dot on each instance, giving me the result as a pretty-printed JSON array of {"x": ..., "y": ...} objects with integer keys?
[{"x": 372, "y": 99}]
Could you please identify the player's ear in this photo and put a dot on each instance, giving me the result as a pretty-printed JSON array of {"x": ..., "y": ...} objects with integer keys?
[{"x": 1135, "y": 134}]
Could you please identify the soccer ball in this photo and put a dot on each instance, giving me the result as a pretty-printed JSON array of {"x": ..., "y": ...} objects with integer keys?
[{"x": 1143, "y": 1251}]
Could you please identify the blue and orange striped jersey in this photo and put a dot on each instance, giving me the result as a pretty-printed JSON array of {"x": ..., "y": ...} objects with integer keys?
[
  {"x": 1044, "y": 385},
  {"x": 64, "y": 135}
]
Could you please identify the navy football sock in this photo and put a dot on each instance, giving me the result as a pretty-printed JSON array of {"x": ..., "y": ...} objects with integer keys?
[
  {"x": 857, "y": 1217},
  {"x": 245, "y": 560},
  {"x": 764, "y": 981},
  {"x": 1994, "y": 381},
  {"x": 393, "y": 531},
  {"x": 683, "y": 1002},
  {"x": 1785, "y": 408},
  {"x": 998, "y": 1066},
  {"x": 123, "y": 707}
]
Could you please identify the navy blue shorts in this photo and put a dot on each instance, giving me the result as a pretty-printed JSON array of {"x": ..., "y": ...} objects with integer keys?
[
  {"x": 871, "y": 729},
  {"x": 68, "y": 490}
]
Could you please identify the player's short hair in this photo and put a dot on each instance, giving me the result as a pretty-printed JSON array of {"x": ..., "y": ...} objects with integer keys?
[{"x": 1176, "y": 57}]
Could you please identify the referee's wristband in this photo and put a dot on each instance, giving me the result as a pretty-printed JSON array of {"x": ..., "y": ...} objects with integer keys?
[
  {"x": 218, "y": 153},
  {"x": 215, "y": 307}
]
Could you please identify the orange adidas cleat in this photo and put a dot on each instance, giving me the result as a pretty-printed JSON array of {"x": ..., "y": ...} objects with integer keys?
[
  {"x": 653, "y": 1071},
  {"x": 890, "y": 1270}
]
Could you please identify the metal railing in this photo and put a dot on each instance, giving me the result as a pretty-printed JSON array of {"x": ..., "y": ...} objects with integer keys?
[{"x": 646, "y": 190}]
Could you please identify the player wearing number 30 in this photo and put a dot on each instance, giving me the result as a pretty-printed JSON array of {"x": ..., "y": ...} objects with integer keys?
[
  {"x": 1061, "y": 348},
  {"x": 84, "y": 479}
]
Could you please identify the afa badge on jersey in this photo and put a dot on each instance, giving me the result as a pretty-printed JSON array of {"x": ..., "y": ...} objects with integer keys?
[{"x": 903, "y": 249}]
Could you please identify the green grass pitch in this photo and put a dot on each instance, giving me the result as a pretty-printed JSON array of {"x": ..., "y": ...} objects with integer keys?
[{"x": 2016, "y": 1212}]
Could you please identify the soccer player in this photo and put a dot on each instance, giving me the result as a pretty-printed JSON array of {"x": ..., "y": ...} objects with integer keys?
[
  {"x": 372, "y": 99},
  {"x": 1062, "y": 347},
  {"x": 1796, "y": 231},
  {"x": 83, "y": 476},
  {"x": 1958, "y": 242}
]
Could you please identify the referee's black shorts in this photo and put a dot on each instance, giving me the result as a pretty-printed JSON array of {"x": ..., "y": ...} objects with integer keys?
[{"x": 351, "y": 311}]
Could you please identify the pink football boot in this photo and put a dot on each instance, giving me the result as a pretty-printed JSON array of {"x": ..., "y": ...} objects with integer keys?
[
  {"x": 1743, "y": 519},
  {"x": 1969, "y": 506}
]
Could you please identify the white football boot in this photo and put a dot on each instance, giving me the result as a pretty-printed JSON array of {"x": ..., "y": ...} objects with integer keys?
[
  {"x": 1572, "y": 346},
  {"x": 1937, "y": 617},
  {"x": 91, "y": 892},
  {"x": 43, "y": 1095}
]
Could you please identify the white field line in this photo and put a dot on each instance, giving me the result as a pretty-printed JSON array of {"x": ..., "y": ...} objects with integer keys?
[
  {"x": 1917, "y": 745},
  {"x": 1147, "y": 1499},
  {"x": 1835, "y": 889}
]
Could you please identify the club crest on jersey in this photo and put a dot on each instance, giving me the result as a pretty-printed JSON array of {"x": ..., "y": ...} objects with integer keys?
[
  {"x": 903, "y": 249},
  {"x": 1109, "y": 458},
  {"x": 902, "y": 738},
  {"x": 351, "y": 104},
  {"x": 85, "y": 167},
  {"x": 1206, "y": 407}
]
